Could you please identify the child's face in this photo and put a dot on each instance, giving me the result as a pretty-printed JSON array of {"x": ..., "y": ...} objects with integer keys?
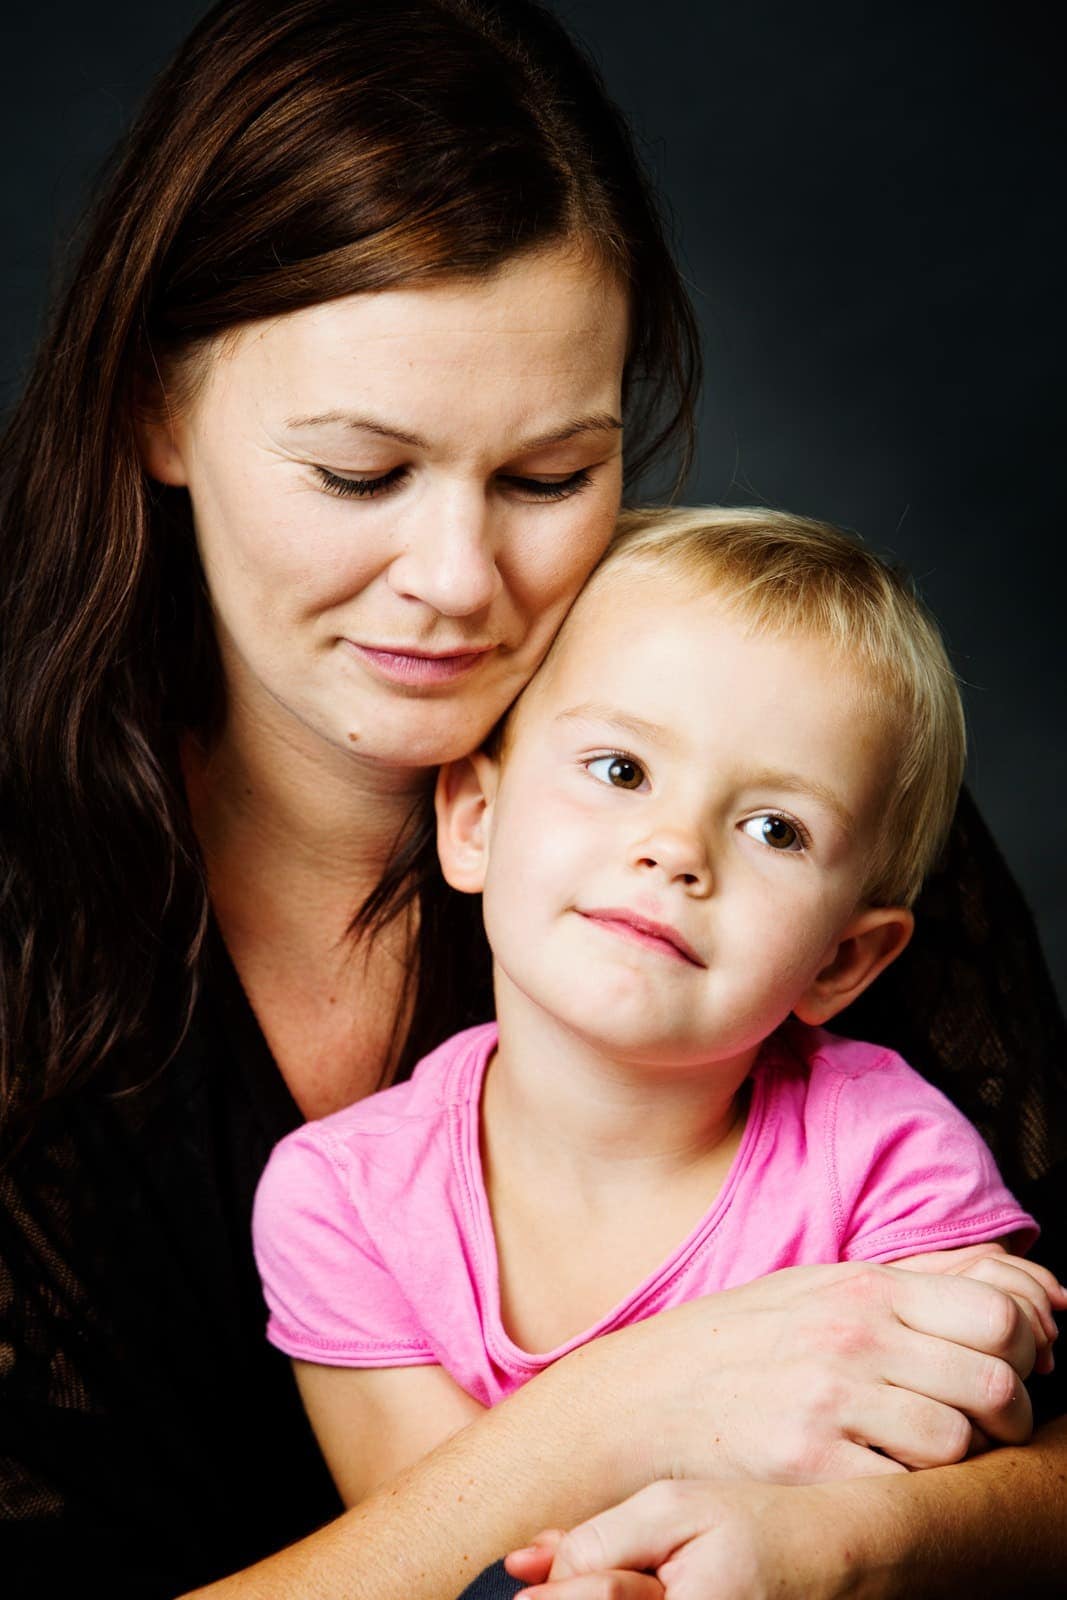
[{"x": 675, "y": 844}]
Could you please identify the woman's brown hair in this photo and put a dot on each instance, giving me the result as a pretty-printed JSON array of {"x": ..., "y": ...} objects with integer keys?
[{"x": 292, "y": 153}]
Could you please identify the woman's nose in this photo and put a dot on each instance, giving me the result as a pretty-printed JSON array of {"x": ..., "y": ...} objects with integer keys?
[
  {"x": 448, "y": 560},
  {"x": 680, "y": 855}
]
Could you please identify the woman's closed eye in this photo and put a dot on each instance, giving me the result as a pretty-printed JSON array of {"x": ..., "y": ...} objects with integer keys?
[
  {"x": 361, "y": 488},
  {"x": 547, "y": 488},
  {"x": 778, "y": 832},
  {"x": 367, "y": 488},
  {"x": 617, "y": 769}
]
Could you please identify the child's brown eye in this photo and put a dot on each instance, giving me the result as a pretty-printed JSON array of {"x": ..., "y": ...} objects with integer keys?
[
  {"x": 774, "y": 831},
  {"x": 620, "y": 771}
]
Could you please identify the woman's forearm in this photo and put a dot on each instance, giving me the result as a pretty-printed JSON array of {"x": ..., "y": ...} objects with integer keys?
[
  {"x": 994, "y": 1525},
  {"x": 531, "y": 1461},
  {"x": 779, "y": 1377}
]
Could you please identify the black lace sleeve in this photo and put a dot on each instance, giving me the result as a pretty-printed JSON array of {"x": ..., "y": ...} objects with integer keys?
[{"x": 971, "y": 1005}]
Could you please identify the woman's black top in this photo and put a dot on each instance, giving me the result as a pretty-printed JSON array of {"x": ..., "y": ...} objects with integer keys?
[
  {"x": 151, "y": 1440},
  {"x": 149, "y": 1436}
]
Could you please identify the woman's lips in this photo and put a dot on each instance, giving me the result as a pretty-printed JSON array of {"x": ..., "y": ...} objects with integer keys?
[
  {"x": 415, "y": 668},
  {"x": 643, "y": 930}
]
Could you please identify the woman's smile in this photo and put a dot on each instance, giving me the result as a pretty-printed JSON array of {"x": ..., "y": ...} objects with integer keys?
[
  {"x": 444, "y": 589},
  {"x": 418, "y": 669}
]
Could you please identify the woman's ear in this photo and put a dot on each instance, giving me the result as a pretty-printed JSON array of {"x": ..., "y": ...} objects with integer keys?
[
  {"x": 158, "y": 436},
  {"x": 159, "y": 454},
  {"x": 463, "y": 801},
  {"x": 873, "y": 939}
]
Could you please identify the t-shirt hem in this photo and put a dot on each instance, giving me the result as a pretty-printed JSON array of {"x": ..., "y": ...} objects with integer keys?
[
  {"x": 886, "y": 1245},
  {"x": 324, "y": 1354}
]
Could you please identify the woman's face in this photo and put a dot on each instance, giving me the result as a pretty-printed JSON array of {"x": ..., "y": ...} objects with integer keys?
[{"x": 397, "y": 495}]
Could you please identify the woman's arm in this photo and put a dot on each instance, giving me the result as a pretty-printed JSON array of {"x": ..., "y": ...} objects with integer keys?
[
  {"x": 778, "y": 1378},
  {"x": 993, "y": 1525}
]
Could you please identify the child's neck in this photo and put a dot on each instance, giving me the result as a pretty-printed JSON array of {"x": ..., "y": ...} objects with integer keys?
[
  {"x": 596, "y": 1170},
  {"x": 572, "y": 1105}
]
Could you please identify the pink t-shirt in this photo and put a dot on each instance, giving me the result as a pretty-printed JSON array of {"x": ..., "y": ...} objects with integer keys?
[{"x": 375, "y": 1243}]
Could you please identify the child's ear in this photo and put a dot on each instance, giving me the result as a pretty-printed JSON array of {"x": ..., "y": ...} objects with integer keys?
[
  {"x": 872, "y": 940},
  {"x": 463, "y": 801}
]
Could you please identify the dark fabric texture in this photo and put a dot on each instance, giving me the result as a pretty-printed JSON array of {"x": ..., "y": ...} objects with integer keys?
[
  {"x": 151, "y": 1440},
  {"x": 149, "y": 1435},
  {"x": 970, "y": 1004},
  {"x": 492, "y": 1585}
]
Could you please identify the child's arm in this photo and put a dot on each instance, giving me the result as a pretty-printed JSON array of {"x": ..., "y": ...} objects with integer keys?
[{"x": 372, "y": 1422}]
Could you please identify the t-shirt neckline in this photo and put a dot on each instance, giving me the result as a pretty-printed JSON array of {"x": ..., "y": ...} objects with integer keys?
[{"x": 641, "y": 1300}]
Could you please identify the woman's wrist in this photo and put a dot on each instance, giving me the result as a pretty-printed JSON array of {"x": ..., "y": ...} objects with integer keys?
[{"x": 993, "y": 1523}]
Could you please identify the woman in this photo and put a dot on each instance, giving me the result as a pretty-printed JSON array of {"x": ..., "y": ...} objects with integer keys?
[{"x": 324, "y": 439}]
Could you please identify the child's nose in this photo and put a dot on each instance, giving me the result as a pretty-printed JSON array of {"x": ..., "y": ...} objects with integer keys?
[{"x": 679, "y": 854}]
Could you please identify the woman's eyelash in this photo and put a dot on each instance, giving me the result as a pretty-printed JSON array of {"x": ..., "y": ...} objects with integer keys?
[
  {"x": 368, "y": 488},
  {"x": 360, "y": 488},
  {"x": 542, "y": 490}
]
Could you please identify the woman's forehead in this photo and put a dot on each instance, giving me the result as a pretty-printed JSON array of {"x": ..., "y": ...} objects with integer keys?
[
  {"x": 549, "y": 294},
  {"x": 539, "y": 345}
]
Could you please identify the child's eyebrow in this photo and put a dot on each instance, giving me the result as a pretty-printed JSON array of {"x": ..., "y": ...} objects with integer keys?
[
  {"x": 798, "y": 783},
  {"x": 595, "y": 712}
]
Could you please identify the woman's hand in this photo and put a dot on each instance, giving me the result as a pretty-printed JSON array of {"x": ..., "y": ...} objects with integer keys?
[
  {"x": 698, "y": 1541},
  {"x": 809, "y": 1375},
  {"x": 1033, "y": 1287}
]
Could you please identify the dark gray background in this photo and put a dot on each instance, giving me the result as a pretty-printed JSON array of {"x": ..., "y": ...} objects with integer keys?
[{"x": 866, "y": 200}]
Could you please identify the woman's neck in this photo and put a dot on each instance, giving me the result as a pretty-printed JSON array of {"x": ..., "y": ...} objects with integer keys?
[
  {"x": 274, "y": 805},
  {"x": 295, "y": 835}
]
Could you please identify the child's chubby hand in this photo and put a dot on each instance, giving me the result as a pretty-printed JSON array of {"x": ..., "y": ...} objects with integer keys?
[{"x": 1034, "y": 1288}]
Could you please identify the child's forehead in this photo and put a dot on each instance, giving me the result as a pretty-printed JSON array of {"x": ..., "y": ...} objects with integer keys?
[{"x": 639, "y": 626}]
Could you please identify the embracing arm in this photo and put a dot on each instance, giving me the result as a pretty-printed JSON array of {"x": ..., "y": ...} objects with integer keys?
[
  {"x": 992, "y": 1525},
  {"x": 777, "y": 1379},
  {"x": 540, "y": 1457}
]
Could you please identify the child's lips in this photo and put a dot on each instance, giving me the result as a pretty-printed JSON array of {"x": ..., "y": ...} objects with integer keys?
[{"x": 644, "y": 930}]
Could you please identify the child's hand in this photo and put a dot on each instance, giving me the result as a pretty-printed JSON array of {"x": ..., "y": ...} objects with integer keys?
[
  {"x": 1033, "y": 1287},
  {"x": 533, "y": 1566},
  {"x": 712, "y": 1540}
]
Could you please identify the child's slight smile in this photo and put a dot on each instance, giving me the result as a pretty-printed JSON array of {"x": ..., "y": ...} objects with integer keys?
[{"x": 676, "y": 837}]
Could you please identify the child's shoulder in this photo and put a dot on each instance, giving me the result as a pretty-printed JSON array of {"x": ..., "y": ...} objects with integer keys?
[
  {"x": 815, "y": 1065},
  {"x": 817, "y": 1053}
]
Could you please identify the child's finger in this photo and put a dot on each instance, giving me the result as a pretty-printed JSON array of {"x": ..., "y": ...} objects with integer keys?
[
  {"x": 1028, "y": 1299},
  {"x": 1008, "y": 1274},
  {"x": 1048, "y": 1281},
  {"x": 533, "y": 1563}
]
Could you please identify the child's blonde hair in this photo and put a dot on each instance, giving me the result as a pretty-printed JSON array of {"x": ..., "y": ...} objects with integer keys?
[{"x": 787, "y": 574}]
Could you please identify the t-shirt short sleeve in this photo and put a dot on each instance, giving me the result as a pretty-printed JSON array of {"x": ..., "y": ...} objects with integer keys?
[
  {"x": 330, "y": 1298},
  {"x": 911, "y": 1174}
]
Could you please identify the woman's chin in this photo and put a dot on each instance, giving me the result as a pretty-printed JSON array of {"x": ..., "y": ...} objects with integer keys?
[{"x": 418, "y": 737}]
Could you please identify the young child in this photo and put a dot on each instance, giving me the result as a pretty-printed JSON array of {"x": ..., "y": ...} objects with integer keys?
[{"x": 698, "y": 834}]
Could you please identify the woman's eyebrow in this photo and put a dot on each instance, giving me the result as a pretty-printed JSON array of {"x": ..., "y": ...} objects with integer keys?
[{"x": 594, "y": 422}]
